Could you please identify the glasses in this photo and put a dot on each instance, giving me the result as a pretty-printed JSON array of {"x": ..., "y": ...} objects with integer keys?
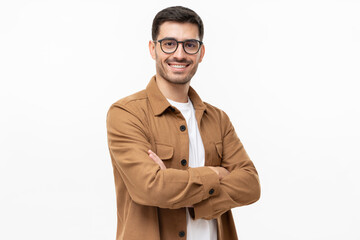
[{"x": 170, "y": 45}]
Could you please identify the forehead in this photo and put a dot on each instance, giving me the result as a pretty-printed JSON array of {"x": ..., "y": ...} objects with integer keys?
[{"x": 179, "y": 31}]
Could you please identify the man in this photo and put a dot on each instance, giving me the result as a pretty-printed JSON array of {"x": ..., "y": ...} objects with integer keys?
[{"x": 179, "y": 166}]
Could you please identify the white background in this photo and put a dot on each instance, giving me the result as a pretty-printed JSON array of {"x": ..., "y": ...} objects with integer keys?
[{"x": 286, "y": 72}]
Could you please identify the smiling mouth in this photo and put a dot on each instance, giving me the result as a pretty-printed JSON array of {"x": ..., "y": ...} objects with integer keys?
[{"x": 178, "y": 66}]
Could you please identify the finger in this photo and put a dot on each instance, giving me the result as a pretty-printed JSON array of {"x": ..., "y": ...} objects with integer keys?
[
  {"x": 214, "y": 169},
  {"x": 160, "y": 162},
  {"x": 156, "y": 159},
  {"x": 162, "y": 166},
  {"x": 223, "y": 172},
  {"x": 153, "y": 157}
]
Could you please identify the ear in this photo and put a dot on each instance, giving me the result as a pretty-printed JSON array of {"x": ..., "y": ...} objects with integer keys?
[
  {"x": 152, "y": 49},
  {"x": 202, "y": 52}
]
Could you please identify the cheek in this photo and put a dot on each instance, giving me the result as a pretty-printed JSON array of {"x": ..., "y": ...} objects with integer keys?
[
  {"x": 197, "y": 59},
  {"x": 160, "y": 62},
  {"x": 159, "y": 57}
]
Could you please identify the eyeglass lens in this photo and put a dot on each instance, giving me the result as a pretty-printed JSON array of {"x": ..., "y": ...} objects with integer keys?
[{"x": 170, "y": 45}]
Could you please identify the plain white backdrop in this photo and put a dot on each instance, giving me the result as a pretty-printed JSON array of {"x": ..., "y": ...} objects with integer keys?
[{"x": 286, "y": 72}]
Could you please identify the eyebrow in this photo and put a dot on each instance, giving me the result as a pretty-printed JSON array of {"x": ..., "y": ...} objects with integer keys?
[{"x": 172, "y": 38}]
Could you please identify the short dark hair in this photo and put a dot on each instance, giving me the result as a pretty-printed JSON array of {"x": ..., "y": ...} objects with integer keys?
[{"x": 177, "y": 14}]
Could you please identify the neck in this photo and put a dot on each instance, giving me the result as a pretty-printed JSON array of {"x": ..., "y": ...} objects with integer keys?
[{"x": 173, "y": 91}]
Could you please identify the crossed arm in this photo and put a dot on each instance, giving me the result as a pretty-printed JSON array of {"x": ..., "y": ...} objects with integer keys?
[
  {"x": 220, "y": 171},
  {"x": 210, "y": 190}
]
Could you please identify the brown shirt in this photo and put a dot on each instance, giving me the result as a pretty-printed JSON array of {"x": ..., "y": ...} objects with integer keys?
[{"x": 151, "y": 202}]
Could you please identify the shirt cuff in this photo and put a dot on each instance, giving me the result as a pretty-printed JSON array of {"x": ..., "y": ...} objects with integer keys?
[
  {"x": 210, "y": 181},
  {"x": 202, "y": 209}
]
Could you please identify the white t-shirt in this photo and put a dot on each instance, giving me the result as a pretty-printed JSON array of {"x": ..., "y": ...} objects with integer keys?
[{"x": 199, "y": 229}]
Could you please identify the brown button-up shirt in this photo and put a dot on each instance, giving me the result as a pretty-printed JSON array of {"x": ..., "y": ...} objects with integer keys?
[{"x": 151, "y": 203}]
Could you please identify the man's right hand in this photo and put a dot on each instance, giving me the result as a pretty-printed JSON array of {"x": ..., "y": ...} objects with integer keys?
[
  {"x": 220, "y": 171},
  {"x": 156, "y": 159}
]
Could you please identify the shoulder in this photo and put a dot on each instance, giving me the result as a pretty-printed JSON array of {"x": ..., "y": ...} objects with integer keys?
[
  {"x": 132, "y": 101},
  {"x": 131, "y": 106},
  {"x": 135, "y": 103}
]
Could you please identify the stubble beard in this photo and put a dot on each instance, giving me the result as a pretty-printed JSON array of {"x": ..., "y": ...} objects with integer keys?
[{"x": 160, "y": 68}]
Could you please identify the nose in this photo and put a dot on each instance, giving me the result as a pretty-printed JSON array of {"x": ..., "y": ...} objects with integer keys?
[{"x": 180, "y": 53}]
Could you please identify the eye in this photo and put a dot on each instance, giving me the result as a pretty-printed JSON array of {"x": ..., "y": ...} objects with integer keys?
[
  {"x": 191, "y": 44},
  {"x": 169, "y": 43}
]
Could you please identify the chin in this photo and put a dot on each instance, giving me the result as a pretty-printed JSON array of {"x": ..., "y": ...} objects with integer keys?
[{"x": 176, "y": 80}]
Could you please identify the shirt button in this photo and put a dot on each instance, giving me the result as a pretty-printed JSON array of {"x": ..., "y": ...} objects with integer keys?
[
  {"x": 181, "y": 234},
  {"x": 182, "y": 128},
  {"x": 211, "y": 191},
  {"x": 183, "y": 162}
]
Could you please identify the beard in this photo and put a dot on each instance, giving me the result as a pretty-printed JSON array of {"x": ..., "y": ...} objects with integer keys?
[{"x": 174, "y": 77}]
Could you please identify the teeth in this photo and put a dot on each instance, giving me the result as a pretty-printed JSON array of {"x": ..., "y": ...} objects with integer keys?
[{"x": 178, "y": 66}]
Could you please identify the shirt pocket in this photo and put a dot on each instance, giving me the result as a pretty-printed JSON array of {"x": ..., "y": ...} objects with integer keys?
[
  {"x": 165, "y": 153},
  {"x": 216, "y": 153},
  {"x": 219, "y": 148}
]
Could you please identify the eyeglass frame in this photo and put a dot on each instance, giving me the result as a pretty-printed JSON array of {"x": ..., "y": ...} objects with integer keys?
[{"x": 177, "y": 45}]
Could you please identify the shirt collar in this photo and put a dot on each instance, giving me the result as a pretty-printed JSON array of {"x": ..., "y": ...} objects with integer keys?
[{"x": 159, "y": 103}]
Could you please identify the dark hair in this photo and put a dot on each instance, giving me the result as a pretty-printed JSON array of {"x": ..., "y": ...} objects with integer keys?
[{"x": 177, "y": 14}]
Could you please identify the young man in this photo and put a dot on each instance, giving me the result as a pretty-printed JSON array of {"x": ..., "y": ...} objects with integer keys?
[{"x": 179, "y": 166}]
